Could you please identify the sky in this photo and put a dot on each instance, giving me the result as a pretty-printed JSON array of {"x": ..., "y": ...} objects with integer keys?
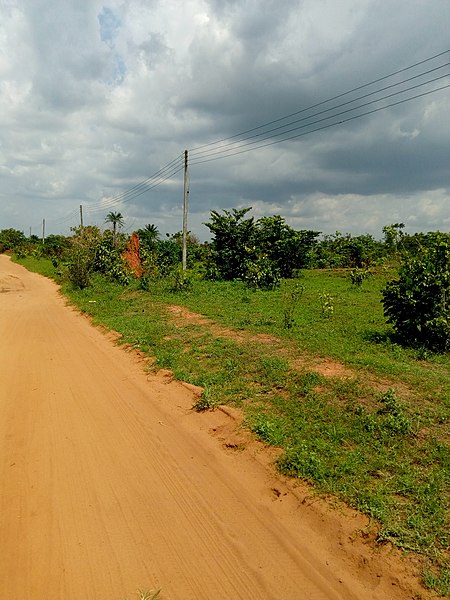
[{"x": 100, "y": 99}]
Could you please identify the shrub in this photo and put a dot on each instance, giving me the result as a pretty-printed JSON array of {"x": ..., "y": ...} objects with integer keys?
[
  {"x": 80, "y": 255},
  {"x": 11, "y": 239},
  {"x": 233, "y": 243},
  {"x": 357, "y": 276},
  {"x": 417, "y": 303},
  {"x": 262, "y": 274}
]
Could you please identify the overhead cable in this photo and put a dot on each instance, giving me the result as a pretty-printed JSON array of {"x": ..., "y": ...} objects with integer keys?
[
  {"x": 336, "y": 97},
  {"x": 340, "y": 122}
]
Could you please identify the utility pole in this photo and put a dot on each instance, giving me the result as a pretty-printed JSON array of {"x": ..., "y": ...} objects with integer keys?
[
  {"x": 43, "y": 230},
  {"x": 81, "y": 215},
  {"x": 185, "y": 210}
]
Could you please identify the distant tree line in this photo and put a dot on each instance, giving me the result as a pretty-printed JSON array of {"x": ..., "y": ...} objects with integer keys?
[{"x": 261, "y": 253}]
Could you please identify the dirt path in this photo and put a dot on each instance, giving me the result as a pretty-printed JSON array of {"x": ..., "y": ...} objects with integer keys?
[{"x": 109, "y": 483}]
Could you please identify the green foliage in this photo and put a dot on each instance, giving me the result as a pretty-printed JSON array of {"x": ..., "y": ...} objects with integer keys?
[
  {"x": 11, "y": 239},
  {"x": 389, "y": 419},
  {"x": 393, "y": 236},
  {"x": 268, "y": 429},
  {"x": 148, "y": 237},
  {"x": 54, "y": 246},
  {"x": 357, "y": 276},
  {"x": 108, "y": 259},
  {"x": 181, "y": 280},
  {"x": 261, "y": 273},
  {"x": 206, "y": 401},
  {"x": 288, "y": 250},
  {"x": 80, "y": 256},
  {"x": 117, "y": 221},
  {"x": 327, "y": 304},
  {"x": 259, "y": 253},
  {"x": 438, "y": 579},
  {"x": 168, "y": 256},
  {"x": 233, "y": 244},
  {"x": 347, "y": 251},
  {"x": 92, "y": 251},
  {"x": 417, "y": 304}
]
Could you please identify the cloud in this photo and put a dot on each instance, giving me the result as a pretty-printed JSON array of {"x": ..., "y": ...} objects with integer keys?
[{"x": 97, "y": 96}]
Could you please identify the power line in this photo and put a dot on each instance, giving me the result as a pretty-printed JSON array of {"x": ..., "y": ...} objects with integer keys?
[
  {"x": 199, "y": 154},
  {"x": 262, "y": 136},
  {"x": 139, "y": 189},
  {"x": 321, "y": 128},
  {"x": 341, "y": 95},
  {"x": 160, "y": 176},
  {"x": 224, "y": 151},
  {"x": 121, "y": 200}
]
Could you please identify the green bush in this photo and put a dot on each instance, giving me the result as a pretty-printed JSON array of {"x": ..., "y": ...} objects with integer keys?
[
  {"x": 11, "y": 239},
  {"x": 262, "y": 273},
  {"x": 417, "y": 303}
]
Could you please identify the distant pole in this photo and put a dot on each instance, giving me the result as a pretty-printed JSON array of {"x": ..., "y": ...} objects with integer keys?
[
  {"x": 185, "y": 210},
  {"x": 30, "y": 231},
  {"x": 81, "y": 215},
  {"x": 43, "y": 230}
]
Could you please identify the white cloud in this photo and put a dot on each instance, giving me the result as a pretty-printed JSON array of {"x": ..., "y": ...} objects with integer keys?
[{"x": 96, "y": 96}]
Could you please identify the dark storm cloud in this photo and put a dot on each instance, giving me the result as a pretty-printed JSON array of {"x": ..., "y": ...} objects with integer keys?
[{"x": 96, "y": 96}]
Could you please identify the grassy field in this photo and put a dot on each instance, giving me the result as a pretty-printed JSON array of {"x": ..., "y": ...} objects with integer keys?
[{"x": 315, "y": 369}]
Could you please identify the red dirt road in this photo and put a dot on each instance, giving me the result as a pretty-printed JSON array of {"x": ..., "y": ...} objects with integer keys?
[{"x": 110, "y": 483}]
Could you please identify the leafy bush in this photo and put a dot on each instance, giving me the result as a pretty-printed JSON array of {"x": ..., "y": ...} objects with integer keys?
[
  {"x": 80, "y": 255},
  {"x": 262, "y": 274},
  {"x": 417, "y": 303},
  {"x": 11, "y": 239},
  {"x": 259, "y": 253},
  {"x": 181, "y": 281},
  {"x": 79, "y": 266},
  {"x": 54, "y": 246},
  {"x": 233, "y": 244},
  {"x": 347, "y": 251},
  {"x": 108, "y": 259},
  {"x": 357, "y": 276},
  {"x": 286, "y": 248}
]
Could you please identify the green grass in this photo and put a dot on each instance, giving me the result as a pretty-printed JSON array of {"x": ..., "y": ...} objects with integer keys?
[{"x": 378, "y": 440}]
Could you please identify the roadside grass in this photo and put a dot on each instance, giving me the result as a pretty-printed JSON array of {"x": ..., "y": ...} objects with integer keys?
[{"x": 383, "y": 449}]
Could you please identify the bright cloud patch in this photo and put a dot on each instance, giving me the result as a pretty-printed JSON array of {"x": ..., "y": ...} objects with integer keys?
[{"x": 96, "y": 98}]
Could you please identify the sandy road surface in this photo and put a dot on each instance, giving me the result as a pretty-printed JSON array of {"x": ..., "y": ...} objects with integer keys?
[{"x": 109, "y": 483}]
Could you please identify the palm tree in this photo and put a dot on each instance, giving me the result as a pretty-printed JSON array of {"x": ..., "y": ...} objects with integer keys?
[
  {"x": 116, "y": 219},
  {"x": 149, "y": 235}
]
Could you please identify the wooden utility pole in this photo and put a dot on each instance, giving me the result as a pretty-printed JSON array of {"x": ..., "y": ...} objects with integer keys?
[
  {"x": 81, "y": 215},
  {"x": 43, "y": 230},
  {"x": 185, "y": 210}
]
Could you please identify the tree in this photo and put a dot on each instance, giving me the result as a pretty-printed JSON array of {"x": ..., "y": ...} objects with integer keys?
[
  {"x": 11, "y": 239},
  {"x": 285, "y": 247},
  {"x": 233, "y": 243},
  {"x": 148, "y": 236},
  {"x": 80, "y": 256},
  {"x": 347, "y": 251},
  {"x": 54, "y": 245},
  {"x": 393, "y": 235},
  {"x": 117, "y": 221},
  {"x": 417, "y": 304}
]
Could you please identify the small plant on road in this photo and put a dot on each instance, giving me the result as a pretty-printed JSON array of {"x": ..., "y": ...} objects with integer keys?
[{"x": 148, "y": 595}]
